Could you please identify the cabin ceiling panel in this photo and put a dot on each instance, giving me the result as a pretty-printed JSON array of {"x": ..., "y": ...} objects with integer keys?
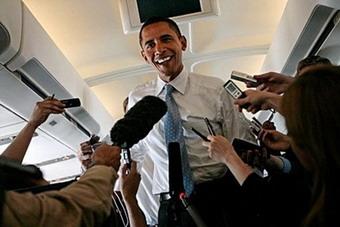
[
  {"x": 241, "y": 23},
  {"x": 114, "y": 92},
  {"x": 7, "y": 118},
  {"x": 90, "y": 35},
  {"x": 222, "y": 68}
]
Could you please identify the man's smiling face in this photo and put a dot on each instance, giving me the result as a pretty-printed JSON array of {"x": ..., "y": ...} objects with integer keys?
[{"x": 162, "y": 47}]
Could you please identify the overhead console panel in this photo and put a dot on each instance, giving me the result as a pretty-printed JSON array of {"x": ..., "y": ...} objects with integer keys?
[
  {"x": 20, "y": 99},
  {"x": 29, "y": 54},
  {"x": 39, "y": 79},
  {"x": 32, "y": 67}
]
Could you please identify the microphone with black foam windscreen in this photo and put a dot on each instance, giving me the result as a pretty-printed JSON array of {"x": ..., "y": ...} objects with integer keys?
[{"x": 137, "y": 123}]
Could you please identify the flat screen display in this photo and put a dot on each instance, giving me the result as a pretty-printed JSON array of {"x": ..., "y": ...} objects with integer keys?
[{"x": 166, "y": 8}]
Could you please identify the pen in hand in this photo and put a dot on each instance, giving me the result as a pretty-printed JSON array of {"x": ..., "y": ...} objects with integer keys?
[
  {"x": 200, "y": 135},
  {"x": 210, "y": 128}
]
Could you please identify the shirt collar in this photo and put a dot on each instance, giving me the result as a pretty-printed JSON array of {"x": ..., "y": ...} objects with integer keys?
[{"x": 179, "y": 83}]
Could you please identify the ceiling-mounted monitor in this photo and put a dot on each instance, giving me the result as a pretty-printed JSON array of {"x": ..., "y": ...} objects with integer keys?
[
  {"x": 135, "y": 12},
  {"x": 168, "y": 8}
]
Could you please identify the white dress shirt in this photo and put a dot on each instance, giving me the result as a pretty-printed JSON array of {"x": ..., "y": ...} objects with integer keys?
[{"x": 197, "y": 97}]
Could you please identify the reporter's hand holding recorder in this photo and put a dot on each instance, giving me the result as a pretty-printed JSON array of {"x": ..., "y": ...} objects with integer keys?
[
  {"x": 255, "y": 100},
  {"x": 220, "y": 149},
  {"x": 259, "y": 100},
  {"x": 130, "y": 180},
  {"x": 270, "y": 85},
  {"x": 271, "y": 82},
  {"x": 42, "y": 110}
]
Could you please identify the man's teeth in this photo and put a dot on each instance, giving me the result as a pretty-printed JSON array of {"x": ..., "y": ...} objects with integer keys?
[{"x": 160, "y": 61}]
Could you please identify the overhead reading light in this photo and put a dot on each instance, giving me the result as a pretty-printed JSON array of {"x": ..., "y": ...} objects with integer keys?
[
  {"x": 135, "y": 12},
  {"x": 56, "y": 160}
]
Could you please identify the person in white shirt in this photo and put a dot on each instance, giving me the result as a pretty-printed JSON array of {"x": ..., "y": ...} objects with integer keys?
[{"x": 197, "y": 97}]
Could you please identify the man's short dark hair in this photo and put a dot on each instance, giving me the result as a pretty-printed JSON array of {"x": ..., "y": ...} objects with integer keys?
[
  {"x": 152, "y": 20},
  {"x": 312, "y": 60}
]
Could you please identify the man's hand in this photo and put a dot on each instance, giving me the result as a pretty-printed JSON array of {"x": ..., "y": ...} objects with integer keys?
[
  {"x": 85, "y": 154},
  {"x": 107, "y": 155},
  {"x": 130, "y": 180},
  {"x": 273, "y": 82},
  {"x": 43, "y": 109},
  {"x": 86, "y": 151}
]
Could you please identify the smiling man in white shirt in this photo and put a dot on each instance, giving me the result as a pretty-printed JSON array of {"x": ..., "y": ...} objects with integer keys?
[{"x": 197, "y": 97}]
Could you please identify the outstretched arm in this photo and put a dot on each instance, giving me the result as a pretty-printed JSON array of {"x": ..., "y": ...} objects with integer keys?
[
  {"x": 273, "y": 82},
  {"x": 17, "y": 149},
  {"x": 129, "y": 185},
  {"x": 220, "y": 149},
  {"x": 86, "y": 202},
  {"x": 259, "y": 100}
]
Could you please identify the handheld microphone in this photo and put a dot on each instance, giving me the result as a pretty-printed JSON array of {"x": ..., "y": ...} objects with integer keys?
[
  {"x": 175, "y": 169},
  {"x": 192, "y": 211},
  {"x": 137, "y": 122},
  {"x": 176, "y": 182}
]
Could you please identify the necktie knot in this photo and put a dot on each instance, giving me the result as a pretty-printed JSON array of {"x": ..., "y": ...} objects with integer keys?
[{"x": 168, "y": 89}]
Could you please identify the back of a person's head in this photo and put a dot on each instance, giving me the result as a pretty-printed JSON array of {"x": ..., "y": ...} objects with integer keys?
[
  {"x": 152, "y": 20},
  {"x": 311, "y": 106},
  {"x": 14, "y": 176},
  {"x": 311, "y": 61},
  {"x": 311, "y": 110}
]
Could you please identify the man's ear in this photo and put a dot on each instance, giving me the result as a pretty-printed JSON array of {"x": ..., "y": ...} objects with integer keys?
[
  {"x": 183, "y": 42},
  {"x": 143, "y": 55}
]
